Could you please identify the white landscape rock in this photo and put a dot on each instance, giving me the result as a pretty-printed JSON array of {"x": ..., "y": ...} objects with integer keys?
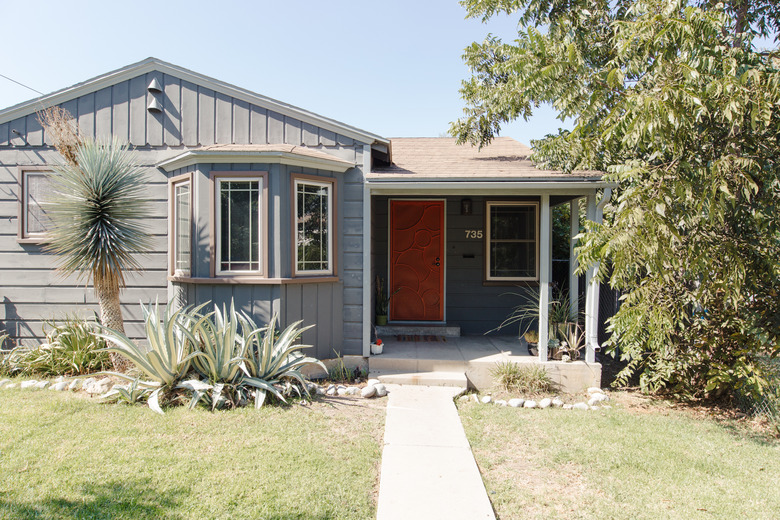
[
  {"x": 320, "y": 390},
  {"x": 516, "y": 402},
  {"x": 568, "y": 406},
  {"x": 342, "y": 391},
  {"x": 88, "y": 382},
  {"x": 464, "y": 397},
  {"x": 28, "y": 384},
  {"x": 10, "y": 386},
  {"x": 368, "y": 391},
  {"x": 500, "y": 402},
  {"x": 530, "y": 404},
  {"x": 331, "y": 390},
  {"x": 597, "y": 398},
  {"x": 41, "y": 384},
  {"x": 595, "y": 390},
  {"x": 353, "y": 390},
  {"x": 372, "y": 382},
  {"x": 74, "y": 385},
  {"x": 59, "y": 387},
  {"x": 557, "y": 402},
  {"x": 581, "y": 406},
  {"x": 475, "y": 398},
  {"x": 4, "y": 382},
  {"x": 545, "y": 403},
  {"x": 486, "y": 399},
  {"x": 381, "y": 390}
]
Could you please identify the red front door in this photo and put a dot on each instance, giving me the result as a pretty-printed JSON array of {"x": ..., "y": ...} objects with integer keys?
[{"x": 416, "y": 260}]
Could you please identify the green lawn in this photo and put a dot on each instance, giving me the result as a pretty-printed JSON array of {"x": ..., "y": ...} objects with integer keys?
[
  {"x": 66, "y": 456},
  {"x": 622, "y": 463}
]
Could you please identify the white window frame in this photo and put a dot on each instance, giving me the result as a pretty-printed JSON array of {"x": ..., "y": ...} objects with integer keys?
[
  {"x": 24, "y": 235},
  {"x": 176, "y": 183},
  {"x": 330, "y": 186},
  {"x": 488, "y": 240},
  {"x": 217, "y": 180}
]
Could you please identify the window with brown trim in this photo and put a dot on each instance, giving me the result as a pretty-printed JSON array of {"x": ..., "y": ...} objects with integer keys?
[
  {"x": 240, "y": 223},
  {"x": 512, "y": 241},
  {"x": 314, "y": 222},
  {"x": 181, "y": 225},
  {"x": 35, "y": 189}
]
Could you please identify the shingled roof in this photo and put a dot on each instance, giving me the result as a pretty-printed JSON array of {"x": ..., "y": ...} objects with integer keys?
[{"x": 440, "y": 158}]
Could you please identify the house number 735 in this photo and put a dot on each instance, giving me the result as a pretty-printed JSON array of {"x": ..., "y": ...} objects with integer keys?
[{"x": 473, "y": 233}]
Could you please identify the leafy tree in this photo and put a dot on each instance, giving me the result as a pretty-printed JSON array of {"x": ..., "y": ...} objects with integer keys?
[
  {"x": 673, "y": 100},
  {"x": 97, "y": 222}
]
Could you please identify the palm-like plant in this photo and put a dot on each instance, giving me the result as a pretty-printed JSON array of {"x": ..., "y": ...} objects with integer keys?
[{"x": 97, "y": 223}]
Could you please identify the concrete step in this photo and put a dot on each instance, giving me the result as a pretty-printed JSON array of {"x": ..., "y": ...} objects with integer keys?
[
  {"x": 454, "y": 379},
  {"x": 389, "y": 363},
  {"x": 449, "y": 331}
]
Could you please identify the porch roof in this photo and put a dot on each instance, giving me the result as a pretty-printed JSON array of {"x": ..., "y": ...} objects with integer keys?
[{"x": 417, "y": 159}]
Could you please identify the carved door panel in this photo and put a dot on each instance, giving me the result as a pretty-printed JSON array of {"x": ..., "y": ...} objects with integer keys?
[{"x": 416, "y": 260}]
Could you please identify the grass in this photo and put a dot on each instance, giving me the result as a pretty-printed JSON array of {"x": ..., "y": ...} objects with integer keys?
[
  {"x": 65, "y": 456},
  {"x": 623, "y": 463}
]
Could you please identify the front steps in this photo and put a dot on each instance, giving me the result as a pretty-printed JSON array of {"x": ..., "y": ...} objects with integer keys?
[
  {"x": 439, "y": 378},
  {"x": 449, "y": 331}
]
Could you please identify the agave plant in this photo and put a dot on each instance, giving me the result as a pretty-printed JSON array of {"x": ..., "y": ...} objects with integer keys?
[
  {"x": 98, "y": 222},
  {"x": 273, "y": 360},
  {"x": 222, "y": 344},
  {"x": 171, "y": 348},
  {"x": 132, "y": 393}
]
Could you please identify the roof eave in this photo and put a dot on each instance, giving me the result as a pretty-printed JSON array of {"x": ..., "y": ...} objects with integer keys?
[
  {"x": 192, "y": 157},
  {"x": 153, "y": 64}
]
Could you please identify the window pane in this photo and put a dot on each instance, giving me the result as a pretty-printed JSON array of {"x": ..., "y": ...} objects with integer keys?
[
  {"x": 239, "y": 225},
  {"x": 39, "y": 187},
  {"x": 313, "y": 227},
  {"x": 183, "y": 227},
  {"x": 512, "y": 246}
]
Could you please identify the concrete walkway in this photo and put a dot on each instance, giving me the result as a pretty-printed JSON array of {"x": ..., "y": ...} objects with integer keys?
[{"x": 428, "y": 471}]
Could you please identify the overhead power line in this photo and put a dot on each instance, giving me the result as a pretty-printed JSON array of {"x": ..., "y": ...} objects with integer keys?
[{"x": 22, "y": 84}]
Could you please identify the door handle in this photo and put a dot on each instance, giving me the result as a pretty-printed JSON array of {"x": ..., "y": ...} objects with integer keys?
[{"x": 437, "y": 264}]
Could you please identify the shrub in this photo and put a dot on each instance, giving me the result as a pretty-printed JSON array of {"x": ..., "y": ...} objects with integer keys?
[
  {"x": 522, "y": 377},
  {"x": 71, "y": 349}
]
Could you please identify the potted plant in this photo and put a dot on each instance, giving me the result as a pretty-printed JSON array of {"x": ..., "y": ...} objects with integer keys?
[
  {"x": 382, "y": 302},
  {"x": 532, "y": 339}
]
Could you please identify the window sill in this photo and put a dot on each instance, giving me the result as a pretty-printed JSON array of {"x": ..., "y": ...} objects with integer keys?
[
  {"x": 39, "y": 241},
  {"x": 252, "y": 280}
]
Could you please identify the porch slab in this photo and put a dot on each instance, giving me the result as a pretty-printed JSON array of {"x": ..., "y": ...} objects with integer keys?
[{"x": 446, "y": 362}]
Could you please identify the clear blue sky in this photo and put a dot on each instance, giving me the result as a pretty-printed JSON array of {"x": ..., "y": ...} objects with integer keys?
[{"x": 393, "y": 68}]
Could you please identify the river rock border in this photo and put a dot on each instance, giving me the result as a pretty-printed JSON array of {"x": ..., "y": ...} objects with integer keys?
[{"x": 597, "y": 399}]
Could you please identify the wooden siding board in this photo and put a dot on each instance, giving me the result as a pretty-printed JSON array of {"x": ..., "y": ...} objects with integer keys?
[
  {"x": 293, "y": 303},
  {"x": 309, "y": 312},
  {"x": 327, "y": 138},
  {"x": 344, "y": 141},
  {"x": 275, "y": 128},
  {"x": 240, "y": 122},
  {"x": 172, "y": 111},
  {"x": 121, "y": 110},
  {"x": 206, "y": 124},
  {"x": 86, "y": 117},
  {"x": 34, "y": 130},
  {"x": 20, "y": 125},
  {"x": 292, "y": 131},
  {"x": 258, "y": 125},
  {"x": 325, "y": 323},
  {"x": 138, "y": 111},
  {"x": 189, "y": 113},
  {"x": 310, "y": 135},
  {"x": 4, "y": 130},
  {"x": 103, "y": 115},
  {"x": 224, "y": 117}
]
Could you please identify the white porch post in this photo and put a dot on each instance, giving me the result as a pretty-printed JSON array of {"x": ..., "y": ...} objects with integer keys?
[
  {"x": 545, "y": 260},
  {"x": 595, "y": 214},
  {"x": 366, "y": 254},
  {"x": 574, "y": 280}
]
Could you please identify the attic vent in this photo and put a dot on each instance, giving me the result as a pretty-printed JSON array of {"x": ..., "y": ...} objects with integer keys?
[
  {"x": 154, "y": 86},
  {"x": 154, "y": 106}
]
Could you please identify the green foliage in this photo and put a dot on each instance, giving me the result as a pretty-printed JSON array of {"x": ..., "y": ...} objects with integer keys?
[
  {"x": 71, "y": 349},
  {"x": 98, "y": 222},
  {"x": 238, "y": 360},
  {"x": 132, "y": 393},
  {"x": 530, "y": 378},
  {"x": 167, "y": 357},
  {"x": 674, "y": 102}
]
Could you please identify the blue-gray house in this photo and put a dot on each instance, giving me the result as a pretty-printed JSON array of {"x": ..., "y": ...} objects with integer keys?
[{"x": 289, "y": 212}]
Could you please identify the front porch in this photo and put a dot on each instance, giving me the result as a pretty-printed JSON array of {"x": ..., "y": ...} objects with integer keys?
[{"x": 466, "y": 361}]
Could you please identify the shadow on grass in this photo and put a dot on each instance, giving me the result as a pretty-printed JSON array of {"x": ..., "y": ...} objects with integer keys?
[
  {"x": 125, "y": 500},
  {"x": 110, "y": 500}
]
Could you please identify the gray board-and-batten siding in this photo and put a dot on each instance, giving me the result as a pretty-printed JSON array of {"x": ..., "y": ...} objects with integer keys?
[{"x": 193, "y": 115}]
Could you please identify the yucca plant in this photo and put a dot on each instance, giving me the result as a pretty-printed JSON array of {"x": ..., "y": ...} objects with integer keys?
[
  {"x": 274, "y": 360},
  {"x": 97, "y": 222}
]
